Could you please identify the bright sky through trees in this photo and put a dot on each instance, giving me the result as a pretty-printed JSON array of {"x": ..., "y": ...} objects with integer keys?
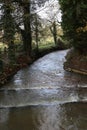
[{"x": 50, "y": 11}]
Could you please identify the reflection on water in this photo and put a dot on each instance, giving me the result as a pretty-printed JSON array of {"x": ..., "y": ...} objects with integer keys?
[
  {"x": 72, "y": 116},
  {"x": 47, "y": 72},
  {"x": 4, "y": 115},
  {"x": 44, "y": 97}
]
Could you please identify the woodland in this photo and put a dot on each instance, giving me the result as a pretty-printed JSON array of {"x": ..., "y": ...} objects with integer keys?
[{"x": 25, "y": 35}]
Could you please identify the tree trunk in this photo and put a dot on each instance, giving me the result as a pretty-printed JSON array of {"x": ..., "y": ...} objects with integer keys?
[
  {"x": 55, "y": 33},
  {"x": 27, "y": 38},
  {"x": 36, "y": 32},
  {"x": 53, "y": 30},
  {"x": 11, "y": 52}
]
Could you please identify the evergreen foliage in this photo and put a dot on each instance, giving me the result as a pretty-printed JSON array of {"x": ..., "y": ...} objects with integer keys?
[
  {"x": 9, "y": 29},
  {"x": 8, "y": 23},
  {"x": 74, "y": 22}
]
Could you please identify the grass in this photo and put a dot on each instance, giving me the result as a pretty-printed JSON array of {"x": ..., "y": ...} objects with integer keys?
[
  {"x": 2, "y": 46},
  {"x": 47, "y": 45}
]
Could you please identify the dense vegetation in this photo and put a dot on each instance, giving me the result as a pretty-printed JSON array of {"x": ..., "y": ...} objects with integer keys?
[
  {"x": 24, "y": 36},
  {"x": 20, "y": 17},
  {"x": 74, "y": 22}
]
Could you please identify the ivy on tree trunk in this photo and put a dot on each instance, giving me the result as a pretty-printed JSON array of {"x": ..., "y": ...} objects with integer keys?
[
  {"x": 9, "y": 29},
  {"x": 74, "y": 22}
]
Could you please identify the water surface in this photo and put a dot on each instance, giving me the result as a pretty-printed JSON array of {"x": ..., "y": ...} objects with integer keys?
[{"x": 44, "y": 97}]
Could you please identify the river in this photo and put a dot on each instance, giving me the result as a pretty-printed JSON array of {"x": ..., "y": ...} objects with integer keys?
[{"x": 44, "y": 97}]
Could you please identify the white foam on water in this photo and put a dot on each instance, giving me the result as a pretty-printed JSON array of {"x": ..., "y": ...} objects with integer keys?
[{"x": 44, "y": 103}]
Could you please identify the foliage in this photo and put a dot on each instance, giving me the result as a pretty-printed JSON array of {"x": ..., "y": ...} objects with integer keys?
[
  {"x": 9, "y": 29},
  {"x": 74, "y": 22},
  {"x": 8, "y": 23}
]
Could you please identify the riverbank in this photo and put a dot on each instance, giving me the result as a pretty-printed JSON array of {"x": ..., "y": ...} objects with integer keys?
[
  {"x": 23, "y": 61},
  {"x": 76, "y": 62},
  {"x": 10, "y": 70}
]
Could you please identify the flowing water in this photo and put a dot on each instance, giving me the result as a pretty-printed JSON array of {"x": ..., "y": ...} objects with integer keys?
[{"x": 44, "y": 97}]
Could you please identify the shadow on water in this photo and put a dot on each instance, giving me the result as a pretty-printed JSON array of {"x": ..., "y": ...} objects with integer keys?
[
  {"x": 44, "y": 97},
  {"x": 47, "y": 72},
  {"x": 69, "y": 116}
]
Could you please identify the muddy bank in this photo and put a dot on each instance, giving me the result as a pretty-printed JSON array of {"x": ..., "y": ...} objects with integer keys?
[{"x": 76, "y": 62}]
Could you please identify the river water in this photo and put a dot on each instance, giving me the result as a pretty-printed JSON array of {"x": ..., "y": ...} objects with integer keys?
[{"x": 44, "y": 97}]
